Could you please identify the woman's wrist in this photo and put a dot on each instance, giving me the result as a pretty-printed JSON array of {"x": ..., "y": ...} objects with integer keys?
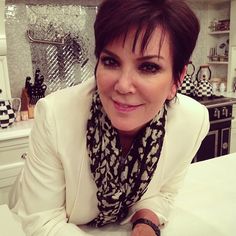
[
  {"x": 144, "y": 220},
  {"x": 150, "y": 224},
  {"x": 147, "y": 214}
]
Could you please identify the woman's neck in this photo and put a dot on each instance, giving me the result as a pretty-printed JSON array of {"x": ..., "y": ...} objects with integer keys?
[{"x": 126, "y": 141}]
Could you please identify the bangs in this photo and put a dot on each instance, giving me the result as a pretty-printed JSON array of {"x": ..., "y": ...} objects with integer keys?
[
  {"x": 145, "y": 32},
  {"x": 142, "y": 32},
  {"x": 109, "y": 29}
]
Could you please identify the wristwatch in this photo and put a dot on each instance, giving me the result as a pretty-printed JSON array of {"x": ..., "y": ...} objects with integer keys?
[{"x": 147, "y": 222}]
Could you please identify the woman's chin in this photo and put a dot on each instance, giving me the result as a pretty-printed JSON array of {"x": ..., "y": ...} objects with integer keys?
[{"x": 126, "y": 127}]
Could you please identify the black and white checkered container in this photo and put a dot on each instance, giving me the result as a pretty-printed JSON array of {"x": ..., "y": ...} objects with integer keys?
[
  {"x": 203, "y": 89},
  {"x": 187, "y": 87},
  {"x": 7, "y": 114}
]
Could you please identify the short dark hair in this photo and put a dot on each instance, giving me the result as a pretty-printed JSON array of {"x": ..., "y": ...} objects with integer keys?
[{"x": 115, "y": 18}]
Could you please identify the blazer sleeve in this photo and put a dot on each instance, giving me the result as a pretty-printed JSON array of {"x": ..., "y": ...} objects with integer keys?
[
  {"x": 161, "y": 200},
  {"x": 38, "y": 195}
]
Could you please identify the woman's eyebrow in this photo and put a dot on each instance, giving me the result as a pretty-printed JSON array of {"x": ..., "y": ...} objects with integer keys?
[
  {"x": 142, "y": 58},
  {"x": 148, "y": 57},
  {"x": 106, "y": 51}
]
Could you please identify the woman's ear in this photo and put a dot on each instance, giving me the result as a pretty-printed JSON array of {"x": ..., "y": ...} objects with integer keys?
[
  {"x": 181, "y": 79},
  {"x": 176, "y": 86},
  {"x": 172, "y": 92}
]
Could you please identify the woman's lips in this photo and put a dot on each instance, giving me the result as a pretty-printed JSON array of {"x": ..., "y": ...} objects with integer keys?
[{"x": 121, "y": 107}]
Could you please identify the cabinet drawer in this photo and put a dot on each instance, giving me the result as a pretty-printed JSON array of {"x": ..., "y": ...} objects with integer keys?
[
  {"x": 4, "y": 194},
  {"x": 8, "y": 174},
  {"x": 11, "y": 150}
]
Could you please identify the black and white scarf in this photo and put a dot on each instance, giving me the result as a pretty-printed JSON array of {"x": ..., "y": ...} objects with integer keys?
[{"x": 121, "y": 181}]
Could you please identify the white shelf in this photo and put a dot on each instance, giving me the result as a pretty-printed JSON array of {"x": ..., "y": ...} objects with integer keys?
[
  {"x": 219, "y": 32},
  {"x": 209, "y": 1},
  {"x": 218, "y": 62}
]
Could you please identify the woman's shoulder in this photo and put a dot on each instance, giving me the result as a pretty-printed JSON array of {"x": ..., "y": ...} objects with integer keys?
[
  {"x": 187, "y": 126},
  {"x": 187, "y": 105},
  {"x": 187, "y": 112},
  {"x": 72, "y": 96},
  {"x": 81, "y": 89}
]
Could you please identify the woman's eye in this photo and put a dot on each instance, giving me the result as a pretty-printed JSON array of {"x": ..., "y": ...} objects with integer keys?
[
  {"x": 149, "y": 67},
  {"x": 109, "y": 61}
]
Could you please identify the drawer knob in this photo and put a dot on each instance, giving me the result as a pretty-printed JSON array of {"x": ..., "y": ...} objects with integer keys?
[
  {"x": 24, "y": 155},
  {"x": 225, "y": 145}
]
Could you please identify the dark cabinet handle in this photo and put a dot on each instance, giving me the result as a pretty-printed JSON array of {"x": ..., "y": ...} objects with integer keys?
[
  {"x": 24, "y": 155},
  {"x": 225, "y": 145}
]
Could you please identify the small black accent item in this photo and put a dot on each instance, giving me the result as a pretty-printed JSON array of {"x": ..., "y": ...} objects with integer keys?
[{"x": 148, "y": 222}]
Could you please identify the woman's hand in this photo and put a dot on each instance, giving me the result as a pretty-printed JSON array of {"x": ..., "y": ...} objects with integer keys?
[{"x": 143, "y": 230}]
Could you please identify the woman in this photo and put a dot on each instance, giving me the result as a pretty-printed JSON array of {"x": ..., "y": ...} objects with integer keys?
[{"x": 116, "y": 148}]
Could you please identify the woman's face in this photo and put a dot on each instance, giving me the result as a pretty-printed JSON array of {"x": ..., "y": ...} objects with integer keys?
[{"x": 132, "y": 86}]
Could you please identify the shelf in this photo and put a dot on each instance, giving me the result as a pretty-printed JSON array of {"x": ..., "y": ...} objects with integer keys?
[
  {"x": 219, "y": 32},
  {"x": 209, "y": 1},
  {"x": 218, "y": 62}
]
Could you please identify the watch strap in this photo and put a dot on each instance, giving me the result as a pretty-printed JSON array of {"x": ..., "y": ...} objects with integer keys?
[{"x": 147, "y": 222}]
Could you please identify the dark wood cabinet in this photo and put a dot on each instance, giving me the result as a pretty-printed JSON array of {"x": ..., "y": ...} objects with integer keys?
[{"x": 217, "y": 142}]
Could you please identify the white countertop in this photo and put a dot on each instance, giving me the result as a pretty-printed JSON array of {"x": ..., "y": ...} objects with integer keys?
[
  {"x": 16, "y": 130},
  {"x": 206, "y": 204},
  {"x": 9, "y": 225}
]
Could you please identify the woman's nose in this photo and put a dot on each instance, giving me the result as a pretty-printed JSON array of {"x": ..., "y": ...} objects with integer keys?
[{"x": 125, "y": 83}]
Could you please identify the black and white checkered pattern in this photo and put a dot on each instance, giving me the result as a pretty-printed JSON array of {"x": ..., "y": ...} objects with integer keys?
[
  {"x": 187, "y": 86},
  {"x": 204, "y": 89},
  {"x": 7, "y": 115}
]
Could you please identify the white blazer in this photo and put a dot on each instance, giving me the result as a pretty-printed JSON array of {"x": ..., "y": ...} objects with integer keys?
[{"x": 55, "y": 191}]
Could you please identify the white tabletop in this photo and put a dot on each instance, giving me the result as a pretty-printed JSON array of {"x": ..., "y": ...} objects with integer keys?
[
  {"x": 9, "y": 226},
  {"x": 206, "y": 205}
]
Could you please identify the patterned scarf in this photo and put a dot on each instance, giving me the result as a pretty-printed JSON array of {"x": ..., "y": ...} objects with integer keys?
[{"x": 121, "y": 181}]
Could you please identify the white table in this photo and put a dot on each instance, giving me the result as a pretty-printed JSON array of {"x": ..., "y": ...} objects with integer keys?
[
  {"x": 9, "y": 226},
  {"x": 205, "y": 206}
]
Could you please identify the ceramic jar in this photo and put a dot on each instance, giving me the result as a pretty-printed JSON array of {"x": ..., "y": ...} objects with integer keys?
[
  {"x": 203, "y": 87},
  {"x": 187, "y": 87},
  {"x": 7, "y": 111}
]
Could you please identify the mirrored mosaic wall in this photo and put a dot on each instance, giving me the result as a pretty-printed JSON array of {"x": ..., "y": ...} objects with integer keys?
[
  {"x": 61, "y": 40},
  {"x": 56, "y": 38}
]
